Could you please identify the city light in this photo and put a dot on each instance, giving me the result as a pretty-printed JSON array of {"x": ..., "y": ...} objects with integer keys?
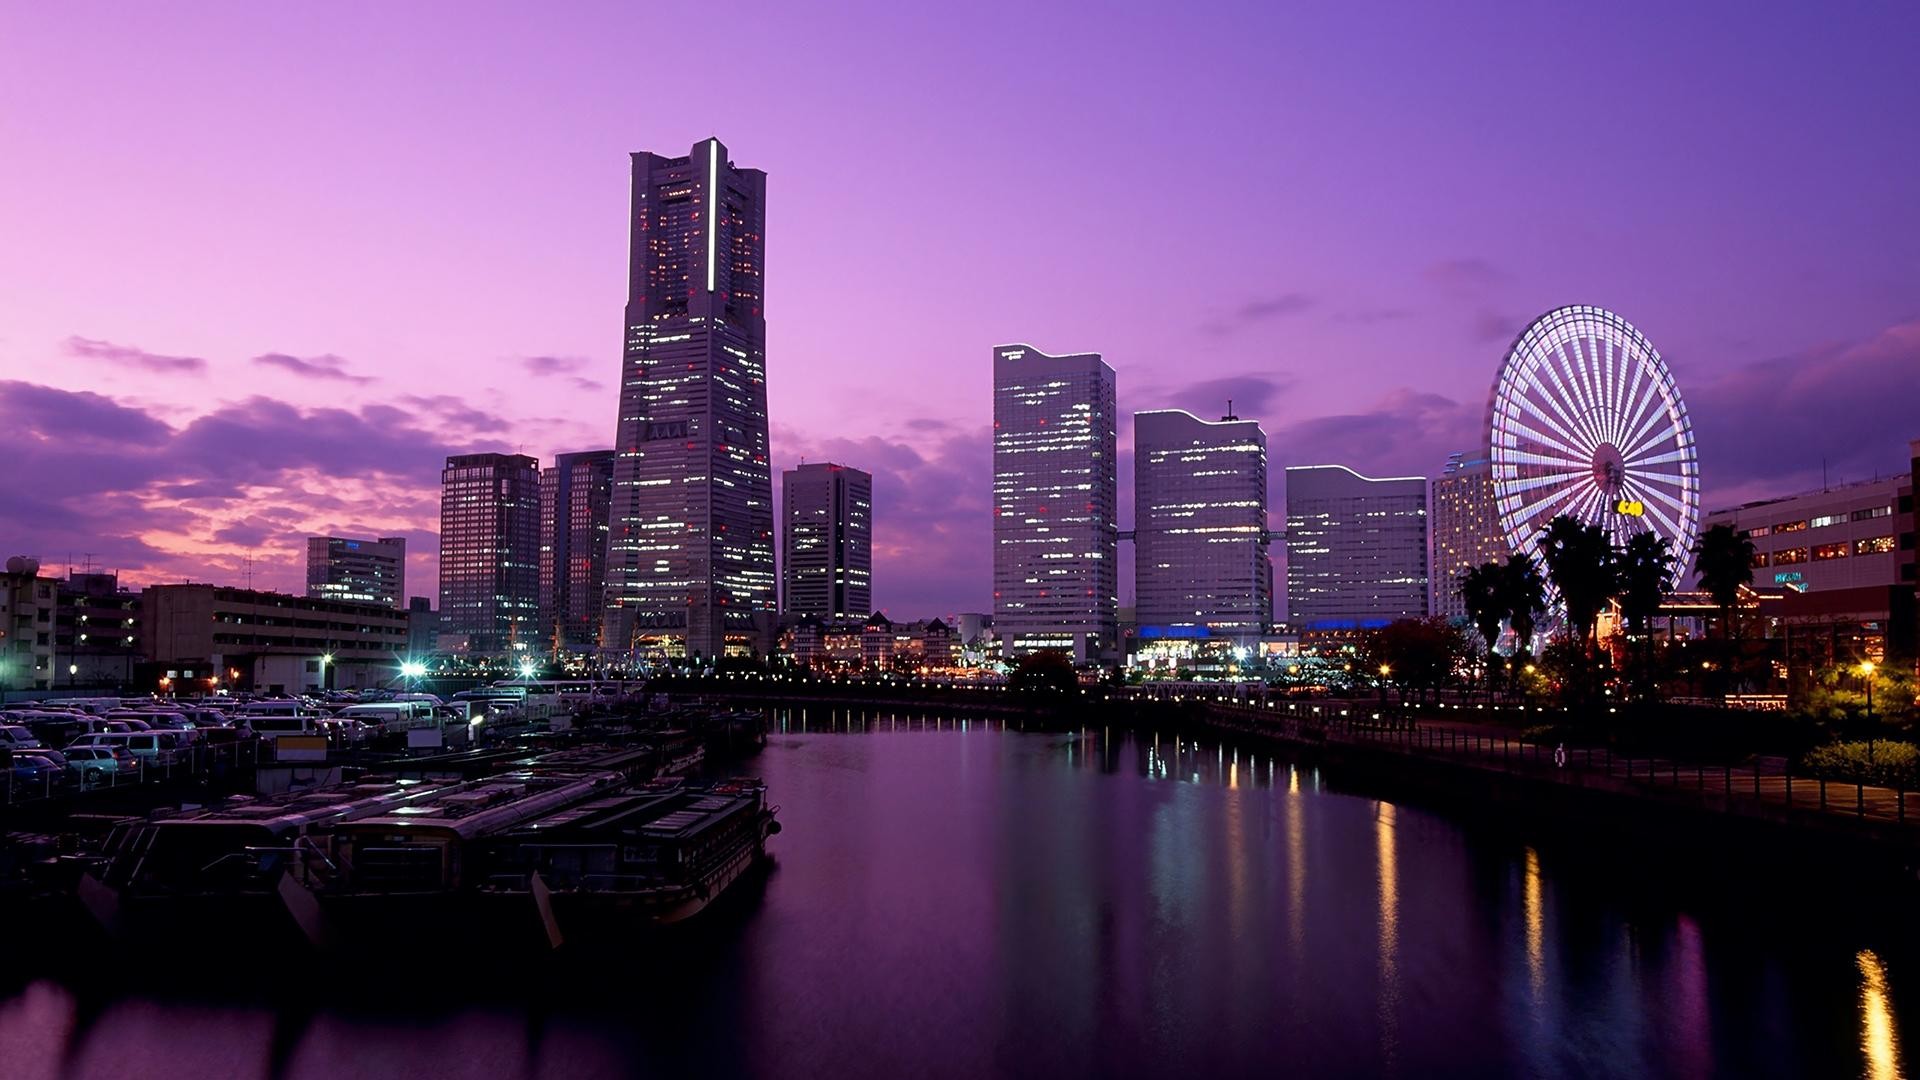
[{"x": 412, "y": 669}]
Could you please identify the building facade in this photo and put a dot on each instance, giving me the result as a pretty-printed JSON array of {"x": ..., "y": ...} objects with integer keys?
[
  {"x": 1466, "y": 528},
  {"x": 1356, "y": 548},
  {"x": 576, "y": 496},
  {"x": 1846, "y": 537},
  {"x": 361, "y": 571},
  {"x": 27, "y": 606},
  {"x": 98, "y": 637},
  {"x": 826, "y": 541},
  {"x": 1055, "y": 523},
  {"x": 690, "y": 556},
  {"x": 490, "y": 552},
  {"x": 201, "y": 636},
  {"x": 1201, "y": 567},
  {"x": 423, "y": 627}
]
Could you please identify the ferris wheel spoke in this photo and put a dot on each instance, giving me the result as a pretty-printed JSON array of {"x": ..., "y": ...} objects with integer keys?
[
  {"x": 1532, "y": 511},
  {"x": 1618, "y": 364},
  {"x": 1567, "y": 377},
  {"x": 1558, "y": 402},
  {"x": 1673, "y": 527},
  {"x": 1534, "y": 483},
  {"x": 1634, "y": 402},
  {"x": 1577, "y": 419},
  {"x": 1588, "y": 377},
  {"x": 1648, "y": 433},
  {"x": 1544, "y": 439},
  {"x": 1568, "y": 441},
  {"x": 1659, "y": 459}
]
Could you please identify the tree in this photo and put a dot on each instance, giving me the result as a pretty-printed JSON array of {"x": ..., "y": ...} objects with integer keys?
[
  {"x": 1645, "y": 567},
  {"x": 1483, "y": 593},
  {"x": 1724, "y": 560},
  {"x": 1415, "y": 654},
  {"x": 1523, "y": 595},
  {"x": 1585, "y": 571},
  {"x": 1045, "y": 670}
]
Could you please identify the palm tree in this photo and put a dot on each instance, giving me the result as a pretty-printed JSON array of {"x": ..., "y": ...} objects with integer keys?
[
  {"x": 1584, "y": 569},
  {"x": 1645, "y": 567},
  {"x": 1523, "y": 596},
  {"x": 1482, "y": 592},
  {"x": 1724, "y": 560}
]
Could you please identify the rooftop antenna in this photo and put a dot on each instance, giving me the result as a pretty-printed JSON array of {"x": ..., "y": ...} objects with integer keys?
[
  {"x": 1823, "y": 474},
  {"x": 1229, "y": 415}
]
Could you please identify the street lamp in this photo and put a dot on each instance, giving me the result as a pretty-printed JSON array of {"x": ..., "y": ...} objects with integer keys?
[{"x": 1866, "y": 672}]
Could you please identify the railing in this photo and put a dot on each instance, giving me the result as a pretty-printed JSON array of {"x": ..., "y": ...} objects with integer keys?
[
  {"x": 1763, "y": 786},
  {"x": 200, "y": 761}
]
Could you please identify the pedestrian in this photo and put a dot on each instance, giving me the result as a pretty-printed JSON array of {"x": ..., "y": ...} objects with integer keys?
[{"x": 1560, "y": 756}]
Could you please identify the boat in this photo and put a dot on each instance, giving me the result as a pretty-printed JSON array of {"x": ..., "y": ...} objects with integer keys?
[{"x": 654, "y": 855}]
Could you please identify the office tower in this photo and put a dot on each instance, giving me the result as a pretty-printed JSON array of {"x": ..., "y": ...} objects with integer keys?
[
  {"x": 423, "y": 627},
  {"x": 690, "y": 559},
  {"x": 826, "y": 541},
  {"x": 1356, "y": 548},
  {"x": 1055, "y": 575},
  {"x": 576, "y": 495},
  {"x": 364, "y": 571},
  {"x": 1200, "y": 527},
  {"x": 1466, "y": 528},
  {"x": 490, "y": 550}
]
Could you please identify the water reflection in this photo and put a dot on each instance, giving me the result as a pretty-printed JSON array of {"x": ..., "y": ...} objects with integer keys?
[
  {"x": 1536, "y": 930},
  {"x": 1389, "y": 1008},
  {"x": 1877, "y": 1038}
]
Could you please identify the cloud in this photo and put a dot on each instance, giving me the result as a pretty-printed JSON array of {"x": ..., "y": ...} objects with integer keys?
[
  {"x": 328, "y": 367},
  {"x": 1491, "y": 326},
  {"x": 933, "y": 514},
  {"x": 1405, "y": 433},
  {"x": 1259, "y": 310},
  {"x": 549, "y": 367},
  {"x": 1254, "y": 394},
  {"x": 1766, "y": 427},
  {"x": 1373, "y": 316},
  {"x": 128, "y": 356},
  {"x": 91, "y": 475},
  {"x": 1467, "y": 274},
  {"x": 552, "y": 365}
]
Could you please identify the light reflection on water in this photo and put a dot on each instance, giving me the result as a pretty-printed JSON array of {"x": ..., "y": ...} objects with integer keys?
[
  {"x": 959, "y": 898},
  {"x": 1877, "y": 1038}
]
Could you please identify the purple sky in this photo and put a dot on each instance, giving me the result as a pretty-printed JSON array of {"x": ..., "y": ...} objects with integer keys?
[{"x": 261, "y": 267}]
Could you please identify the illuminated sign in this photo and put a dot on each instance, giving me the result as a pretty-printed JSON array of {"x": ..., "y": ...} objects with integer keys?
[
  {"x": 1630, "y": 507},
  {"x": 1789, "y": 577}
]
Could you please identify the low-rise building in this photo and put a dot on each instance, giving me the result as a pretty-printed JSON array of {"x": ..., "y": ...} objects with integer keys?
[
  {"x": 269, "y": 642},
  {"x": 97, "y": 635},
  {"x": 27, "y": 605},
  {"x": 1851, "y": 536}
]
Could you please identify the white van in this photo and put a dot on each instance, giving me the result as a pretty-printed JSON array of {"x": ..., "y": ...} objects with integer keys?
[
  {"x": 150, "y": 747},
  {"x": 17, "y": 737}
]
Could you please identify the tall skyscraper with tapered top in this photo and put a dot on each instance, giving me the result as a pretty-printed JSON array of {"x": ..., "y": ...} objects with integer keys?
[
  {"x": 1055, "y": 520},
  {"x": 690, "y": 551}
]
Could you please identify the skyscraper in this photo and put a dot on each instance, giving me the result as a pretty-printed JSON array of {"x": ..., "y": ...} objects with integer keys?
[
  {"x": 490, "y": 550},
  {"x": 1466, "y": 528},
  {"x": 1356, "y": 548},
  {"x": 826, "y": 541},
  {"x": 575, "y": 497},
  {"x": 1200, "y": 526},
  {"x": 1055, "y": 534},
  {"x": 690, "y": 556},
  {"x": 367, "y": 571}
]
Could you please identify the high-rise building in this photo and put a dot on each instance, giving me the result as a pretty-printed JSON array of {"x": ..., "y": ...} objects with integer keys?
[
  {"x": 362, "y": 571},
  {"x": 1466, "y": 528},
  {"x": 28, "y": 603},
  {"x": 423, "y": 627},
  {"x": 690, "y": 559},
  {"x": 1055, "y": 530},
  {"x": 1200, "y": 527},
  {"x": 490, "y": 550},
  {"x": 826, "y": 541},
  {"x": 576, "y": 495},
  {"x": 1356, "y": 548}
]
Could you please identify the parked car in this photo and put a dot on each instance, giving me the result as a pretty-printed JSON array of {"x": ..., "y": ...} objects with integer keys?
[
  {"x": 17, "y": 736},
  {"x": 98, "y": 764},
  {"x": 346, "y": 731},
  {"x": 35, "y": 775},
  {"x": 44, "y": 753},
  {"x": 150, "y": 747}
]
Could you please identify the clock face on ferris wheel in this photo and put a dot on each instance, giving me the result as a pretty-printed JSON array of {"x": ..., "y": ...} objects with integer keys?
[{"x": 1586, "y": 421}]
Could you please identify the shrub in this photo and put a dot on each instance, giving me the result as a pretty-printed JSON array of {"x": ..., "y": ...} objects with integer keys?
[{"x": 1893, "y": 763}]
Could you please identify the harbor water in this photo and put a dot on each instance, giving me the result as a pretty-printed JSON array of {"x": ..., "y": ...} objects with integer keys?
[{"x": 961, "y": 898}]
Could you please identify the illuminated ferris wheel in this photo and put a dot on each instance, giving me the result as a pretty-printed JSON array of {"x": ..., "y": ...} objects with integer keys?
[{"x": 1586, "y": 420}]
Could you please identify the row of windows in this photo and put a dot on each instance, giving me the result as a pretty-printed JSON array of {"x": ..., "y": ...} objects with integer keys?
[{"x": 1872, "y": 545}]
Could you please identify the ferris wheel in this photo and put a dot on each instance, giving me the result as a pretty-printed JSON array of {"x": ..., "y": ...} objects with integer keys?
[{"x": 1585, "y": 420}]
